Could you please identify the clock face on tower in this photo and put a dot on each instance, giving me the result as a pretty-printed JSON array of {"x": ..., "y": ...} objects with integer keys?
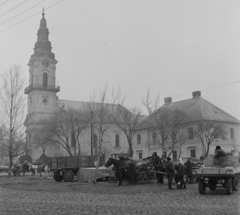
[{"x": 45, "y": 63}]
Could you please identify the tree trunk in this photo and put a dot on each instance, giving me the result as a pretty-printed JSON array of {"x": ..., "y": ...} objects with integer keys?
[
  {"x": 130, "y": 148},
  {"x": 207, "y": 151},
  {"x": 10, "y": 166}
]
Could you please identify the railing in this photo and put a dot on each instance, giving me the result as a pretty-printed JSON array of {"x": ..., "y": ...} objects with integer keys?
[{"x": 41, "y": 87}]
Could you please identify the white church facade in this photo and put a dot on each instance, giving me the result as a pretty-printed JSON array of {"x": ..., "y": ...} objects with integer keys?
[{"x": 43, "y": 101}]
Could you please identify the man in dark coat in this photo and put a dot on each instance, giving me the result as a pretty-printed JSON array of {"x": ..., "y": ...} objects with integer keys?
[
  {"x": 170, "y": 169},
  {"x": 188, "y": 167},
  {"x": 159, "y": 167},
  {"x": 181, "y": 172},
  {"x": 219, "y": 152}
]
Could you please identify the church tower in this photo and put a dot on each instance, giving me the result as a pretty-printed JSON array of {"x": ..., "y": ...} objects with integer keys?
[{"x": 42, "y": 89}]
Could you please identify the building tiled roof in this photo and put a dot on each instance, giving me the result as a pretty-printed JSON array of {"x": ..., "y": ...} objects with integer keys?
[
  {"x": 82, "y": 104},
  {"x": 196, "y": 109}
]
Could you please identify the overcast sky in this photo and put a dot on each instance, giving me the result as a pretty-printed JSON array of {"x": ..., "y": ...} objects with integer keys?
[{"x": 171, "y": 47}]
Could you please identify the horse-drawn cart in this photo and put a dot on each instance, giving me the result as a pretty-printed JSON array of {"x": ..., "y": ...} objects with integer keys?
[
  {"x": 144, "y": 172},
  {"x": 213, "y": 177},
  {"x": 16, "y": 169}
]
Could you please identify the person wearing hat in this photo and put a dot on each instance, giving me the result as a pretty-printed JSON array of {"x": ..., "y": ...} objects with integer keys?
[
  {"x": 170, "y": 169},
  {"x": 219, "y": 152}
]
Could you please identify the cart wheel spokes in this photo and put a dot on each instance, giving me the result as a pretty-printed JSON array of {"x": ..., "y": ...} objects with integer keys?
[{"x": 68, "y": 176}]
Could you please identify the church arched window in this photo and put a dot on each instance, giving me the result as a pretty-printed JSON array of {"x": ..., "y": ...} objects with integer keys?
[
  {"x": 45, "y": 79},
  {"x": 73, "y": 139}
]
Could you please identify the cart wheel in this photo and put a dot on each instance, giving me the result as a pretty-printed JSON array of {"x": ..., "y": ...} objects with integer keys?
[
  {"x": 212, "y": 184},
  {"x": 201, "y": 187},
  {"x": 229, "y": 187},
  {"x": 235, "y": 183},
  {"x": 17, "y": 173},
  {"x": 68, "y": 176},
  {"x": 57, "y": 176}
]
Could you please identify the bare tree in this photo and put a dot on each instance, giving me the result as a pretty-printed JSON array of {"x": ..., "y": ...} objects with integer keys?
[
  {"x": 149, "y": 104},
  {"x": 168, "y": 123},
  {"x": 13, "y": 103},
  {"x": 101, "y": 117},
  {"x": 42, "y": 137},
  {"x": 66, "y": 127},
  {"x": 127, "y": 121},
  {"x": 207, "y": 131},
  {"x": 182, "y": 136}
]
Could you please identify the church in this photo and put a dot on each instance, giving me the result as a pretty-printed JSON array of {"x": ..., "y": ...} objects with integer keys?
[{"x": 43, "y": 100}]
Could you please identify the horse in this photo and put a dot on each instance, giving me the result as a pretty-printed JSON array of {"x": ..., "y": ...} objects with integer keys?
[
  {"x": 47, "y": 171},
  {"x": 159, "y": 166},
  {"x": 37, "y": 169},
  {"x": 123, "y": 170}
]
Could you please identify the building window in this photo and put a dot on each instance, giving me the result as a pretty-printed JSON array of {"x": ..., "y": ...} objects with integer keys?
[
  {"x": 139, "y": 139},
  {"x": 164, "y": 154},
  {"x": 164, "y": 136},
  {"x": 232, "y": 133},
  {"x": 94, "y": 144},
  {"x": 190, "y": 133},
  {"x": 174, "y": 155},
  {"x": 192, "y": 153},
  {"x": 73, "y": 139},
  {"x": 140, "y": 154},
  {"x": 117, "y": 140},
  {"x": 154, "y": 138},
  {"x": 45, "y": 79}
]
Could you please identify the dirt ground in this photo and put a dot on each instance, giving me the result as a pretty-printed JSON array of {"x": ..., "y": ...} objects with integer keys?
[{"x": 33, "y": 183}]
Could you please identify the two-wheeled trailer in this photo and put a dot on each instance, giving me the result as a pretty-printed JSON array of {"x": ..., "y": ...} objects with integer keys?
[
  {"x": 213, "y": 177},
  {"x": 65, "y": 168}
]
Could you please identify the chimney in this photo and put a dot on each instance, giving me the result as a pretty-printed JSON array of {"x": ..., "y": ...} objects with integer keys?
[
  {"x": 167, "y": 100},
  {"x": 196, "y": 94}
]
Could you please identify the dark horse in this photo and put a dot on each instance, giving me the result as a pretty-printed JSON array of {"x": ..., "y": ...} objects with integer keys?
[{"x": 123, "y": 170}]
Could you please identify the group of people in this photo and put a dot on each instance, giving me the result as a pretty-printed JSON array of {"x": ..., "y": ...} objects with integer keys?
[{"x": 172, "y": 171}]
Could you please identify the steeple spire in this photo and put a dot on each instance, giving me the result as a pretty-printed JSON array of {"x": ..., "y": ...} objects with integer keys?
[{"x": 43, "y": 45}]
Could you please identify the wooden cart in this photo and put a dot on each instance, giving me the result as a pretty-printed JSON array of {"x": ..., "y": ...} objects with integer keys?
[
  {"x": 65, "y": 168},
  {"x": 213, "y": 177}
]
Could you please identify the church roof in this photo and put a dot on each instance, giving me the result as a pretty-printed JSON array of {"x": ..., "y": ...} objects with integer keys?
[
  {"x": 82, "y": 104},
  {"x": 195, "y": 108},
  {"x": 43, "y": 45}
]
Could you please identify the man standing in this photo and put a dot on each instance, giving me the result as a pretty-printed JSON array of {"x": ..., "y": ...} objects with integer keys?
[
  {"x": 159, "y": 167},
  {"x": 170, "y": 169},
  {"x": 188, "y": 166}
]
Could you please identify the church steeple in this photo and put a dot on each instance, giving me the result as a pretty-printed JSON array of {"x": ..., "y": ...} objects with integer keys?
[{"x": 43, "y": 45}]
